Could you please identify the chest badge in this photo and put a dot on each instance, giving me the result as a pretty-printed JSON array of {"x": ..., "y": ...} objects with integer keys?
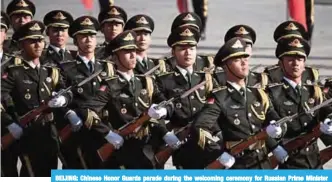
[
  {"x": 48, "y": 79},
  {"x": 123, "y": 110},
  {"x": 237, "y": 121},
  {"x": 27, "y": 96},
  {"x": 311, "y": 100}
]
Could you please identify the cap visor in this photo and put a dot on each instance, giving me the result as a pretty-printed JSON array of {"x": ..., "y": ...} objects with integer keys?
[
  {"x": 234, "y": 55},
  {"x": 35, "y": 37}
]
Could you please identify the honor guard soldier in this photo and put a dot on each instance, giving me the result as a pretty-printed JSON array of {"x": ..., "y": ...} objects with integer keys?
[
  {"x": 30, "y": 85},
  {"x": 57, "y": 23},
  {"x": 6, "y": 57},
  {"x": 9, "y": 156},
  {"x": 328, "y": 88},
  {"x": 143, "y": 26},
  {"x": 293, "y": 95},
  {"x": 112, "y": 21},
  {"x": 79, "y": 151},
  {"x": 189, "y": 19},
  {"x": 183, "y": 42},
  {"x": 248, "y": 34},
  {"x": 20, "y": 12},
  {"x": 286, "y": 30},
  {"x": 126, "y": 96},
  {"x": 240, "y": 111}
]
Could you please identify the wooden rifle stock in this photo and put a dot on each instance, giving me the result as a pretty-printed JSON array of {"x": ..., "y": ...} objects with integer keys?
[
  {"x": 326, "y": 155},
  {"x": 24, "y": 120},
  {"x": 162, "y": 156},
  {"x": 107, "y": 149}
]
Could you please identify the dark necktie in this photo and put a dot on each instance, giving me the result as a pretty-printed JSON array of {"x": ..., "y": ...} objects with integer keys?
[
  {"x": 62, "y": 54},
  {"x": 144, "y": 63},
  {"x": 298, "y": 90},
  {"x": 243, "y": 92},
  {"x": 90, "y": 66},
  {"x": 132, "y": 84},
  {"x": 188, "y": 75}
]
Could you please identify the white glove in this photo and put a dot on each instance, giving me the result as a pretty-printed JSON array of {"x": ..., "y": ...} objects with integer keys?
[
  {"x": 156, "y": 113},
  {"x": 75, "y": 121},
  {"x": 326, "y": 126},
  {"x": 226, "y": 160},
  {"x": 281, "y": 154},
  {"x": 115, "y": 139},
  {"x": 59, "y": 101},
  {"x": 15, "y": 130},
  {"x": 172, "y": 140},
  {"x": 273, "y": 130}
]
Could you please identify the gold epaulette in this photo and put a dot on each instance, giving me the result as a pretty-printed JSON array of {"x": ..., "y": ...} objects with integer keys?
[
  {"x": 55, "y": 76},
  {"x": 219, "y": 89},
  {"x": 165, "y": 73}
]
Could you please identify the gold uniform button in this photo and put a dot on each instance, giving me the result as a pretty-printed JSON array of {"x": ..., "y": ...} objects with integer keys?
[
  {"x": 42, "y": 89},
  {"x": 194, "y": 109},
  {"x": 249, "y": 114},
  {"x": 94, "y": 83},
  {"x": 192, "y": 97}
]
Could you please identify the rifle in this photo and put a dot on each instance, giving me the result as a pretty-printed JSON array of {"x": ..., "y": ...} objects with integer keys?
[
  {"x": 106, "y": 150},
  {"x": 65, "y": 132},
  {"x": 162, "y": 156},
  {"x": 238, "y": 148},
  {"x": 255, "y": 67},
  {"x": 301, "y": 141},
  {"x": 26, "y": 118}
]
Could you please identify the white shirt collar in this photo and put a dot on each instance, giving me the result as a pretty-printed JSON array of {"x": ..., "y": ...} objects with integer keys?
[
  {"x": 292, "y": 83},
  {"x": 86, "y": 60},
  {"x": 235, "y": 85},
  {"x": 140, "y": 59},
  {"x": 1, "y": 55},
  {"x": 57, "y": 49},
  {"x": 127, "y": 76},
  {"x": 184, "y": 71},
  {"x": 33, "y": 65}
]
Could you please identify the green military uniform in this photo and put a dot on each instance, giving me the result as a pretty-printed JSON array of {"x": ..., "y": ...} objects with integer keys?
[
  {"x": 239, "y": 114},
  {"x": 125, "y": 100},
  {"x": 10, "y": 155},
  {"x": 109, "y": 14},
  {"x": 177, "y": 82},
  {"x": 17, "y": 7},
  {"x": 53, "y": 55},
  {"x": 29, "y": 88},
  {"x": 286, "y": 30},
  {"x": 327, "y": 88},
  {"x": 288, "y": 100},
  {"x": 76, "y": 71}
]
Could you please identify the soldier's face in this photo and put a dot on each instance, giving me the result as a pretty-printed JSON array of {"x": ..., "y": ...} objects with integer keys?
[
  {"x": 86, "y": 43},
  {"x": 58, "y": 36},
  {"x": 19, "y": 20},
  {"x": 126, "y": 59},
  {"x": 238, "y": 66},
  {"x": 2, "y": 36},
  {"x": 143, "y": 40},
  {"x": 33, "y": 47},
  {"x": 293, "y": 66},
  {"x": 111, "y": 30},
  {"x": 185, "y": 55}
]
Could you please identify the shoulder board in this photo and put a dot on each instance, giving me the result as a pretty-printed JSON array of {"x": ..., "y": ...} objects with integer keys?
[
  {"x": 111, "y": 78},
  {"x": 256, "y": 86},
  {"x": 272, "y": 67},
  {"x": 166, "y": 73},
  {"x": 219, "y": 89},
  {"x": 68, "y": 61},
  {"x": 15, "y": 65},
  {"x": 272, "y": 85}
]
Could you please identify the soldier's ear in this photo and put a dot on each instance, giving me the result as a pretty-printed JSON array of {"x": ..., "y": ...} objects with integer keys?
[
  {"x": 75, "y": 41},
  {"x": 47, "y": 31},
  {"x": 173, "y": 51}
]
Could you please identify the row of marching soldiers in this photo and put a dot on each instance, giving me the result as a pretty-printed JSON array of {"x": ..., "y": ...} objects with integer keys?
[{"x": 111, "y": 106}]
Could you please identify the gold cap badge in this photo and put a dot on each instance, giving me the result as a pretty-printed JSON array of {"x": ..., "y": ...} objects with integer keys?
[
  {"x": 128, "y": 37},
  {"x": 22, "y": 4},
  {"x": 114, "y": 11},
  {"x": 241, "y": 31},
  {"x": 87, "y": 21},
  {"x": 186, "y": 33},
  {"x": 189, "y": 18},
  {"x": 59, "y": 16},
  {"x": 35, "y": 27},
  {"x": 142, "y": 20},
  {"x": 291, "y": 26},
  {"x": 237, "y": 45},
  {"x": 295, "y": 43}
]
